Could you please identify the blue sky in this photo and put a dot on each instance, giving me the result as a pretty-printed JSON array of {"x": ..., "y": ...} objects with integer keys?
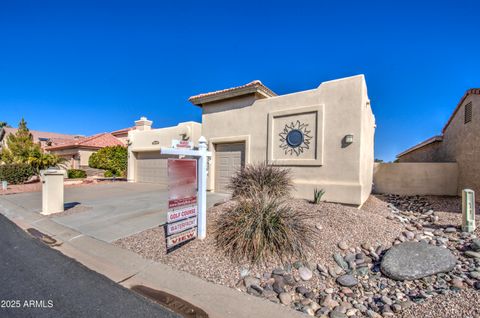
[{"x": 87, "y": 67}]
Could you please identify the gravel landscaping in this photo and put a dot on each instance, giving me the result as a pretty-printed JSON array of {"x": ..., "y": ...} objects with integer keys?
[{"x": 343, "y": 276}]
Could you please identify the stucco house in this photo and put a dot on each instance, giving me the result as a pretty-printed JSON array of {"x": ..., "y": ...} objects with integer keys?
[
  {"x": 459, "y": 142},
  {"x": 78, "y": 151},
  {"x": 324, "y": 135},
  {"x": 44, "y": 139}
]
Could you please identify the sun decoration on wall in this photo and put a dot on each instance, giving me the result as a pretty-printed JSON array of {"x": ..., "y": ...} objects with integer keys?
[{"x": 295, "y": 138}]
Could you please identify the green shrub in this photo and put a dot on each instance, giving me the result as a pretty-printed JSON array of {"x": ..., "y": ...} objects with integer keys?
[
  {"x": 261, "y": 227},
  {"x": 261, "y": 178},
  {"x": 113, "y": 158},
  {"x": 317, "y": 195},
  {"x": 76, "y": 174},
  {"x": 16, "y": 173},
  {"x": 108, "y": 174}
]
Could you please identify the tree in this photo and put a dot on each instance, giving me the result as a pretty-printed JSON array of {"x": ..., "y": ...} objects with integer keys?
[
  {"x": 3, "y": 124},
  {"x": 22, "y": 149},
  {"x": 114, "y": 159}
]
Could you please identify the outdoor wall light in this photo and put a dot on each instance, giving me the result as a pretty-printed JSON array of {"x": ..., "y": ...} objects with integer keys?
[{"x": 348, "y": 139}]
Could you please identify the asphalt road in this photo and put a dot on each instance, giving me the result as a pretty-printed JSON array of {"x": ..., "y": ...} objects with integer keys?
[{"x": 38, "y": 281}]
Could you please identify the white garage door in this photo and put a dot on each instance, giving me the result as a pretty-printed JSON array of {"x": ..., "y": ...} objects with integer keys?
[
  {"x": 152, "y": 168},
  {"x": 229, "y": 158}
]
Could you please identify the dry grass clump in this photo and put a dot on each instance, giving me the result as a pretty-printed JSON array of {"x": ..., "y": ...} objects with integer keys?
[
  {"x": 261, "y": 178},
  {"x": 261, "y": 227}
]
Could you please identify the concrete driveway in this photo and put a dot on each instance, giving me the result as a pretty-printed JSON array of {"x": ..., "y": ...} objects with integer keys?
[{"x": 108, "y": 211}]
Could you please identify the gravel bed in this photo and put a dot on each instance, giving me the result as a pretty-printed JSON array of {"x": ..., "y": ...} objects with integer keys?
[
  {"x": 350, "y": 249},
  {"x": 463, "y": 304},
  {"x": 334, "y": 223}
]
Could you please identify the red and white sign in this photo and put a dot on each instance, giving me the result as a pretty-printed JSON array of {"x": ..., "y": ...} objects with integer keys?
[
  {"x": 181, "y": 214},
  {"x": 182, "y": 182},
  {"x": 181, "y": 237},
  {"x": 177, "y": 227},
  {"x": 182, "y": 144}
]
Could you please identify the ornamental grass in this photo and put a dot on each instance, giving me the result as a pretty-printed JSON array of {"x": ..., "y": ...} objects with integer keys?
[{"x": 261, "y": 227}]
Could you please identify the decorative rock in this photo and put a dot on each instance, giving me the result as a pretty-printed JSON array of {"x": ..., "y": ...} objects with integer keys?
[
  {"x": 297, "y": 264},
  {"x": 249, "y": 281},
  {"x": 278, "y": 288},
  {"x": 337, "y": 314},
  {"x": 450, "y": 230},
  {"x": 302, "y": 290},
  {"x": 255, "y": 290},
  {"x": 309, "y": 311},
  {"x": 475, "y": 245},
  {"x": 329, "y": 302},
  {"x": 347, "y": 280},
  {"x": 414, "y": 260},
  {"x": 340, "y": 261},
  {"x": 472, "y": 254},
  {"x": 318, "y": 226},
  {"x": 343, "y": 246},
  {"x": 305, "y": 273},
  {"x": 285, "y": 298},
  {"x": 457, "y": 283},
  {"x": 244, "y": 272}
]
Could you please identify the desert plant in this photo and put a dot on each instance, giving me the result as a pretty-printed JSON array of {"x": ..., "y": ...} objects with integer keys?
[
  {"x": 76, "y": 173},
  {"x": 261, "y": 178},
  {"x": 262, "y": 227},
  {"x": 16, "y": 173},
  {"x": 317, "y": 195},
  {"x": 113, "y": 158}
]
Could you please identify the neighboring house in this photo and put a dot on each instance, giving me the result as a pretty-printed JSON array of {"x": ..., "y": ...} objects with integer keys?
[
  {"x": 323, "y": 135},
  {"x": 459, "y": 142},
  {"x": 77, "y": 152},
  {"x": 122, "y": 134},
  {"x": 44, "y": 139}
]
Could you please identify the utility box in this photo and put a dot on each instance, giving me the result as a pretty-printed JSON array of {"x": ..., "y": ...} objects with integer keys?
[
  {"x": 52, "y": 191},
  {"x": 468, "y": 210}
]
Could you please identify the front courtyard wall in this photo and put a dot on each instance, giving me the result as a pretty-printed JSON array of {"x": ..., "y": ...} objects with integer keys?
[
  {"x": 149, "y": 141},
  {"x": 421, "y": 178},
  {"x": 344, "y": 171},
  {"x": 427, "y": 153}
]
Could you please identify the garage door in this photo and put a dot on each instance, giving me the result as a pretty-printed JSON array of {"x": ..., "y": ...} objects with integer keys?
[
  {"x": 229, "y": 158},
  {"x": 152, "y": 168}
]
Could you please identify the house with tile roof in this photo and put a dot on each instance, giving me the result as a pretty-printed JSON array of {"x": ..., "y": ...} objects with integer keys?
[
  {"x": 43, "y": 138},
  {"x": 77, "y": 152},
  {"x": 459, "y": 142}
]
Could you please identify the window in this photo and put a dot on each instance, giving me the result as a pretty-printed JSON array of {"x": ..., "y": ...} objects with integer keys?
[{"x": 468, "y": 112}]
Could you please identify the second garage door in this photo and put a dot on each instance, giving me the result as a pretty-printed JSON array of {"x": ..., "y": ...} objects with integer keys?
[
  {"x": 152, "y": 168},
  {"x": 229, "y": 158}
]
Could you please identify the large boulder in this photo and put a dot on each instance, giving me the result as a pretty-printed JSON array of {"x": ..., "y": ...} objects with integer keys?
[{"x": 414, "y": 260}]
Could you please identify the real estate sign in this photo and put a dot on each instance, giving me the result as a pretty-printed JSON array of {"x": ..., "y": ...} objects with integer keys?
[{"x": 182, "y": 201}]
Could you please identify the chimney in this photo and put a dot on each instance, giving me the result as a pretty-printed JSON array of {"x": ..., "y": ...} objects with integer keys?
[{"x": 143, "y": 124}]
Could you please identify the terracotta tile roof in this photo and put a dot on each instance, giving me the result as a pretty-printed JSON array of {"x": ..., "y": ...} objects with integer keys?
[
  {"x": 252, "y": 87},
  {"x": 95, "y": 142},
  {"x": 123, "y": 131},
  {"x": 422, "y": 144},
  {"x": 472, "y": 91}
]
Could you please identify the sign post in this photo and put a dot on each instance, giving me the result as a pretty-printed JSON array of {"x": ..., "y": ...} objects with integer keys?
[{"x": 202, "y": 154}]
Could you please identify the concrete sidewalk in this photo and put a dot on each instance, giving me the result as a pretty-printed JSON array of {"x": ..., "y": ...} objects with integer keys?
[
  {"x": 129, "y": 269},
  {"x": 108, "y": 211}
]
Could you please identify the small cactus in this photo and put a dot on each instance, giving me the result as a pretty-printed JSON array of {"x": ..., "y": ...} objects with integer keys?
[{"x": 317, "y": 195}]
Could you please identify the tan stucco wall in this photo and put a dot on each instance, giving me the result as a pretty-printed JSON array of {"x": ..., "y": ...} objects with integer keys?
[
  {"x": 461, "y": 143},
  {"x": 416, "y": 178},
  {"x": 427, "y": 153},
  {"x": 85, "y": 156},
  {"x": 154, "y": 139},
  {"x": 344, "y": 172}
]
